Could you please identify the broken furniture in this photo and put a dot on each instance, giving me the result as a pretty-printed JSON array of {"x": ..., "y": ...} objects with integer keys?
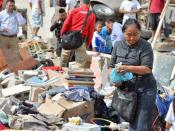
[{"x": 36, "y": 48}]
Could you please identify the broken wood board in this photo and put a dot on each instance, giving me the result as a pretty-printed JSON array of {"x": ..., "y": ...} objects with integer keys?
[{"x": 18, "y": 89}]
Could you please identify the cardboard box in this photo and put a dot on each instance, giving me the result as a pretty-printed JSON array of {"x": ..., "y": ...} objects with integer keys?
[
  {"x": 51, "y": 108},
  {"x": 83, "y": 109}
]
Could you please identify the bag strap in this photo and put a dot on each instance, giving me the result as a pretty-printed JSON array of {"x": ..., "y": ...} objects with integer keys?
[{"x": 85, "y": 21}]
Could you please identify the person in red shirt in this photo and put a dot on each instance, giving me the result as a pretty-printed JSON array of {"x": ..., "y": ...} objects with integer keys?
[
  {"x": 74, "y": 21},
  {"x": 1, "y": 3},
  {"x": 155, "y": 8}
]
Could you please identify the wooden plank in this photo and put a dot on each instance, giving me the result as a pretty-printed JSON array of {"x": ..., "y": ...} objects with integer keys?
[{"x": 18, "y": 89}]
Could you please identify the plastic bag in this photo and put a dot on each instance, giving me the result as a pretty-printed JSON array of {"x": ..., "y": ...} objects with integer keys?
[{"x": 116, "y": 77}]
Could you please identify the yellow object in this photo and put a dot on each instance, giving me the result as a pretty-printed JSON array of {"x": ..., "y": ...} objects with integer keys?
[{"x": 75, "y": 120}]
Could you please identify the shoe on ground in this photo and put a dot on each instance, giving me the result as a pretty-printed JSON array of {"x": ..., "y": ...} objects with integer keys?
[{"x": 37, "y": 38}]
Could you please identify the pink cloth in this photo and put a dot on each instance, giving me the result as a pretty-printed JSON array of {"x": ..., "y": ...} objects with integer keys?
[{"x": 156, "y": 6}]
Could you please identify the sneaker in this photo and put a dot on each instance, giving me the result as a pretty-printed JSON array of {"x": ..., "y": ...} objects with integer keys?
[{"x": 37, "y": 38}]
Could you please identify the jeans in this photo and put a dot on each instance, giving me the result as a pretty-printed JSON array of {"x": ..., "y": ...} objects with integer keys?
[{"x": 145, "y": 105}]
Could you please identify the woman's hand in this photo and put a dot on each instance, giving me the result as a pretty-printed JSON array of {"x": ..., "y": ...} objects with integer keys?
[
  {"x": 141, "y": 70},
  {"x": 121, "y": 69}
]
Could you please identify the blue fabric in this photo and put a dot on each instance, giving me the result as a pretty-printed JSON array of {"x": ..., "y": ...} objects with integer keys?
[
  {"x": 78, "y": 93},
  {"x": 108, "y": 46},
  {"x": 163, "y": 104},
  {"x": 100, "y": 44},
  {"x": 116, "y": 77},
  {"x": 3, "y": 117},
  {"x": 104, "y": 33},
  {"x": 87, "y": 88}
]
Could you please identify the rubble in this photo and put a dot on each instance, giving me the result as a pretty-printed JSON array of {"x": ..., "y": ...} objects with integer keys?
[
  {"x": 42, "y": 88},
  {"x": 32, "y": 78}
]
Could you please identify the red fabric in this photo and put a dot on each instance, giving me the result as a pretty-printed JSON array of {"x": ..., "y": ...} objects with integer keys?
[
  {"x": 2, "y": 127},
  {"x": 75, "y": 20},
  {"x": 56, "y": 68},
  {"x": 156, "y": 6},
  {"x": 1, "y": 2}
]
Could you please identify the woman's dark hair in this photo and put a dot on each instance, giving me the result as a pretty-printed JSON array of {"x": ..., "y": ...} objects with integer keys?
[{"x": 131, "y": 22}]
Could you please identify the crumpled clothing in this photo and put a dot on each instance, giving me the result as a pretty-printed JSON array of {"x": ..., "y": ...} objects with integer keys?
[
  {"x": 52, "y": 92},
  {"x": 35, "y": 122},
  {"x": 78, "y": 93},
  {"x": 25, "y": 108},
  {"x": 116, "y": 77}
]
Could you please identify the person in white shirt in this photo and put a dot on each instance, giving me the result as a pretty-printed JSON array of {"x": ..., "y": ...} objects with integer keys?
[
  {"x": 10, "y": 21},
  {"x": 116, "y": 28},
  {"x": 38, "y": 11},
  {"x": 170, "y": 118},
  {"x": 70, "y": 4},
  {"x": 130, "y": 8}
]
